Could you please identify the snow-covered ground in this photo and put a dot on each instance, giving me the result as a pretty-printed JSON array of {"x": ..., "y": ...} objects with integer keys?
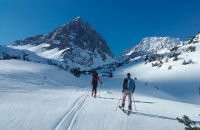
[{"x": 41, "y": 97}]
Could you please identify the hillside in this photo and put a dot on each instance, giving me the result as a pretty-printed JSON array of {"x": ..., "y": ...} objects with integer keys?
[{"x": 174, "y": 70}]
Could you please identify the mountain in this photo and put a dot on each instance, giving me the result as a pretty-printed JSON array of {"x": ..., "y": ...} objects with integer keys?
[
  {"x": 150, "y": 45},
  {"x": 75, "y": 43}
]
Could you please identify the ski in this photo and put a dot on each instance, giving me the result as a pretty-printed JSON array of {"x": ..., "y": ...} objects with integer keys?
[
  {"x": 122, "y": 109},
  {"x": 128, "y": 113}
]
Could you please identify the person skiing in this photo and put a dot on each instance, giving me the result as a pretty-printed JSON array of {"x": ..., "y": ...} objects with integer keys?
[
  {"x": 128, "y": 89},
  {"x": 94, "y": 82}
]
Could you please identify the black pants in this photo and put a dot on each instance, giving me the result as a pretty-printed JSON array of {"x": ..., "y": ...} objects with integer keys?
[{"x": 94, "y": 88}]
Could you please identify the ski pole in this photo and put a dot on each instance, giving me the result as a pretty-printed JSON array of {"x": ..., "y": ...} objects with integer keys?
[
  {"x": 119, "y": 101},
  {"x": 134, "y": 102},
  {"x": 100, "y": 90},
  {"x": 89, "y": 90}
]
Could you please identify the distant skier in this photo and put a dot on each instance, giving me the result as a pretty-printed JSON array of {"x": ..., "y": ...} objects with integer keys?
[
  {"x": 128, "y": 89},
  {"x": 94, "y": 82}
]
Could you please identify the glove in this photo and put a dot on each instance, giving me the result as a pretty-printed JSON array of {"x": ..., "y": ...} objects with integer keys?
[
  {"x": 132, "y": 91},
  {"x": 122, "y": 90},
  {"x": 101, "y": 82}
]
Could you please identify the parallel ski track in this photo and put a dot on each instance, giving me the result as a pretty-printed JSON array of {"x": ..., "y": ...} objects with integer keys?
[{"x": 67, "y": 122}]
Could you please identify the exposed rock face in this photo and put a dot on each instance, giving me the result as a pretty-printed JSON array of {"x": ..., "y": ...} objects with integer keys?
[{"x": 79, "y": 40}]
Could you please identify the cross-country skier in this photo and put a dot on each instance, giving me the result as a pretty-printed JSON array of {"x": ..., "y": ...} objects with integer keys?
[
  {"x": 94, "y": 82},
  {"x": 128, "y": 89}
]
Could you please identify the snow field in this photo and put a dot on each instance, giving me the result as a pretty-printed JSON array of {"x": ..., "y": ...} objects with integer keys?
[{"x": 61, "y": 101}]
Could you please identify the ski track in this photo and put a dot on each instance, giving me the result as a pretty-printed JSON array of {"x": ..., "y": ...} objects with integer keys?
[{"x": 69, "y": 119}]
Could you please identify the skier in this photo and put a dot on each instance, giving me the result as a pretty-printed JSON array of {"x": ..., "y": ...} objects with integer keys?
[
  {"x": 128, "y": 89},
  {"x": 94, "y": 82}
]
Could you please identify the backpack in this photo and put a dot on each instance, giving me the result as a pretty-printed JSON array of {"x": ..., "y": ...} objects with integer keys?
[
  {"x": 94, "y": 78},
  {"x": 129, "y": 84}
]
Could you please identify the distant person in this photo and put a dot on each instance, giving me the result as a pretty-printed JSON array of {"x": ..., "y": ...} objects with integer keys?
[
  {"x": 128, "y": 89},
  {"x": 94, "y": 82}
]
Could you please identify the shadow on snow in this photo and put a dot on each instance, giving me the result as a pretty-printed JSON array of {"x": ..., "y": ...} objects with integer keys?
[{"x": 154, "y": 116}]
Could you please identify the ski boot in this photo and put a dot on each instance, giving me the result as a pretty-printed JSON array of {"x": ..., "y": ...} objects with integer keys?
[
  {"x": 122, "y": 106},
  {"x": 129, "y": 108}
]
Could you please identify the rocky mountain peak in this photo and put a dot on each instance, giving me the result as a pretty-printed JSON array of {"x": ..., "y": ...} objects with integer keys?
[
  {"x": 194, "y": 39},
  {"x": 78, "y": 19},
  {"x": 79, "y": 41},
  {"x": 153, "y": 44}
]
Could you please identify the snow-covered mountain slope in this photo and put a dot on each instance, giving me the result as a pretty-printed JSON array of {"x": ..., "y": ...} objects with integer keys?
[
  {"x": 75, "y": 43},
  {"x": 150, "y": 45},
  {"x": 39, "y": 96},
  {"x": 175, "y": 71},
  {"x": 7, "y": 53}
]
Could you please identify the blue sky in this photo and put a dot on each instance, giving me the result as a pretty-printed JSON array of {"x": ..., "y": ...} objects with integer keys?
[{"x": 122, "y": 23}]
